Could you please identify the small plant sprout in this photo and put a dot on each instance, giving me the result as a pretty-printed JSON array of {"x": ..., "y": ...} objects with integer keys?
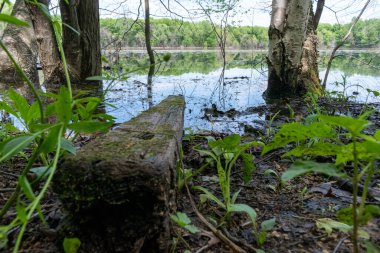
[
  {"x": 182, "y": 220},
  {"x": 225, "y": 153}
]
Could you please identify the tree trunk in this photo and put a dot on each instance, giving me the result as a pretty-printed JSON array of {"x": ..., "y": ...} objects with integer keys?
[
  {"x": 82, "y": 46},
  {"x": 22, "y": 44},
  {"x": 292, "y": 59},
  {"x": 47, "y": 46}
]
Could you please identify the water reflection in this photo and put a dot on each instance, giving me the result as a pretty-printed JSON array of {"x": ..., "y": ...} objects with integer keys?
[{"x": 196, "y": 76}]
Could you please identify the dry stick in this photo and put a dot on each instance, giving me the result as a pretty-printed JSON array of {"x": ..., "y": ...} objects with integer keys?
[
  {"x": 216, "y": 232},
  {"x": 341, "y": 44}
]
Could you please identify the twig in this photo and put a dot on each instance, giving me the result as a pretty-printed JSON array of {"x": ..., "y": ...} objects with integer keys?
[
  {"x": 341, "y": 44},
  {"x": 339, "y": 244},
  {"x": 216, "y": 232},
  {"x": 7, "y": 190}
]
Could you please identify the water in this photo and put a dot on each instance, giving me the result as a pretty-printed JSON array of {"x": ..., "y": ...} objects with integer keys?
[{"x": 196, "y": 75}]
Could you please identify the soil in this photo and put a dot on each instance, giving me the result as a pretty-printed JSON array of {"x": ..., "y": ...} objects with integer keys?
[{"x": 296, "y": 206}]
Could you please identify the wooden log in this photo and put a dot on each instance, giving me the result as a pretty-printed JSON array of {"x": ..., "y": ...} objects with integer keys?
[{"x": 120, "y": 187}]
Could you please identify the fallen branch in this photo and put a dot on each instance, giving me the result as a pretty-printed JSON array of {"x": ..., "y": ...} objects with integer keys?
[{"x": 218, "y": 233}]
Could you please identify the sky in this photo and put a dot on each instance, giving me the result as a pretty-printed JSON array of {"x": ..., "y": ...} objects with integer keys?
[{"x": 252, "y": 12}]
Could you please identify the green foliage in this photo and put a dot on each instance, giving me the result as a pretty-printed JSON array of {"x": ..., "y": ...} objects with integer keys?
[
  {"x": 71, "y": 245},
  {"x": 183, "y": 221},
  {"x": 224, "y": 153},
  {"x": 340, "y": 137},
  {"x": 47, "y": 140}
]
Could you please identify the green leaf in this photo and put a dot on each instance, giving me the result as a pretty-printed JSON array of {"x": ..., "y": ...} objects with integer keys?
[
  {"x": 268, "y": 225},
  {"x": 261, "y": 238},
  {"x": 27, "y": 189},
  {"x": 33, "y": 113},
  {"x": 50, "y": 141},
  {"x": 328, "y": 225},
  {"x": 270, "y": 172},
  {"x": 192, "y": 229},
  {"x": 21, "y": 212},
  {"x": 354, "y": 126},
  {"x": 90, "y": 126},
  {"x": 180, "y": 218},
  {"x": 20, "y": 103},
  {"x": 183, "y": 221},
  {"x": 371, "y": 247},
  {"x": 210, "y": 196},
  {"x": 68, "y": 146},
  {"x": 295, "y": 132},
  {"x": 248, "y": 166},
  {"x": 302, "y": 167},
  {"x": 318, "y": 149},
  {"x": 63, "y": 105},
  {"x": 12, "y": 20},
  {"x": 7, "y": 108},
  {"x": 71, "y": 245},
  {"x": 15, "y": 145},
  {"x": 3, "y": 236},
  {"x": 41, "y": 171},
  {"x": 246, "y": 209},
  {"x": 377, "y": 135}
]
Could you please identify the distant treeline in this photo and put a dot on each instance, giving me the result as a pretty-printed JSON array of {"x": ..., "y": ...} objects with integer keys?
[{"x": 124, "y": 32}]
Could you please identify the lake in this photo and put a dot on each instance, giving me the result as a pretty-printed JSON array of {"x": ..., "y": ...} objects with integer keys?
[{"x": 195, "y": 75}]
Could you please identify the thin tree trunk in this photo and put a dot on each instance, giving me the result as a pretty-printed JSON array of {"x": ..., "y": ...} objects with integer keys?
[
  {"x": 48, "y": 51},
  {"x": 341, "y": 44},
  {"x": 22, "y": 44},
  {"x": 148, "y": 35},
  {"x": 82, "y": 46}
]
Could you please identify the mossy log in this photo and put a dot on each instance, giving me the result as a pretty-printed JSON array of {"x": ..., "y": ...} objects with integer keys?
[{"x": 120, "y": 187}]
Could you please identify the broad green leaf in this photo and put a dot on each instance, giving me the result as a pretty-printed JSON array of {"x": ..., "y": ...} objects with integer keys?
[
  {"x": 192, "y": 229},
  {"x": 63, "y": 105},
  {"x": 181, "y": 219},
  {"x": 318, "y": 149},
  {"x": 9, "y": 109},
  {"x": 210, "y": 196},
  {"x": 234, "y": 197},
  {"x": 302, "y": 167},
  {"x": 15, "y": 145},
  {"x": 261, "y": 238},
  {"x": 370, "y": 246},
  {"x": 294, "y": 132},
  {"x": 328, "y": 225},
  {"x": 12, "y": 20},
  {"x": 40, "y": 171},
  {"x": 20, "y": 103},
  {"x": 248, "y": 166},
  {"x": 68, "y": 146},
  {"x": 33, "y": 113},
  {"x": 71, "y": 245},
  {"x": 377, "y": 135},
  {"x": 21, "y": 212},
  {"x": 50, "y": 141},
  {"x": 246, "y": 209},
  {"x": 90, "y": 126},
  {"x": 354, "y": 126},
  {"x": 268, "y": 225}
]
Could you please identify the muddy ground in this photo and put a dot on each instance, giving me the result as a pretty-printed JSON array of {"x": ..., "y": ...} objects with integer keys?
[{"x": 296, "y": 206}]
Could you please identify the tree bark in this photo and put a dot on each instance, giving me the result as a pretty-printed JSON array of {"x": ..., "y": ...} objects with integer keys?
[
  {"x": 292, "y": 59},
  {"x": 82, "y": 46},
  {"x": 47, "y": 47},
  {"x": 22, "y": 44}
]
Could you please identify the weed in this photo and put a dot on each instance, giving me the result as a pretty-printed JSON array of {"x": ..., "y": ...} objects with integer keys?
[{"x": 340, "y": 137}]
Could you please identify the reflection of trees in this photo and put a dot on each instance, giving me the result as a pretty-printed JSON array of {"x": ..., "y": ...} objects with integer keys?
[
  {"x": 355, "y": 63},
  {"x": 187, "y": 62}
]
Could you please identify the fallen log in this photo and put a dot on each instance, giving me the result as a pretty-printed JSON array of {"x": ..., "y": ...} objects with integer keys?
[{"x": 120, "y": 188}]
